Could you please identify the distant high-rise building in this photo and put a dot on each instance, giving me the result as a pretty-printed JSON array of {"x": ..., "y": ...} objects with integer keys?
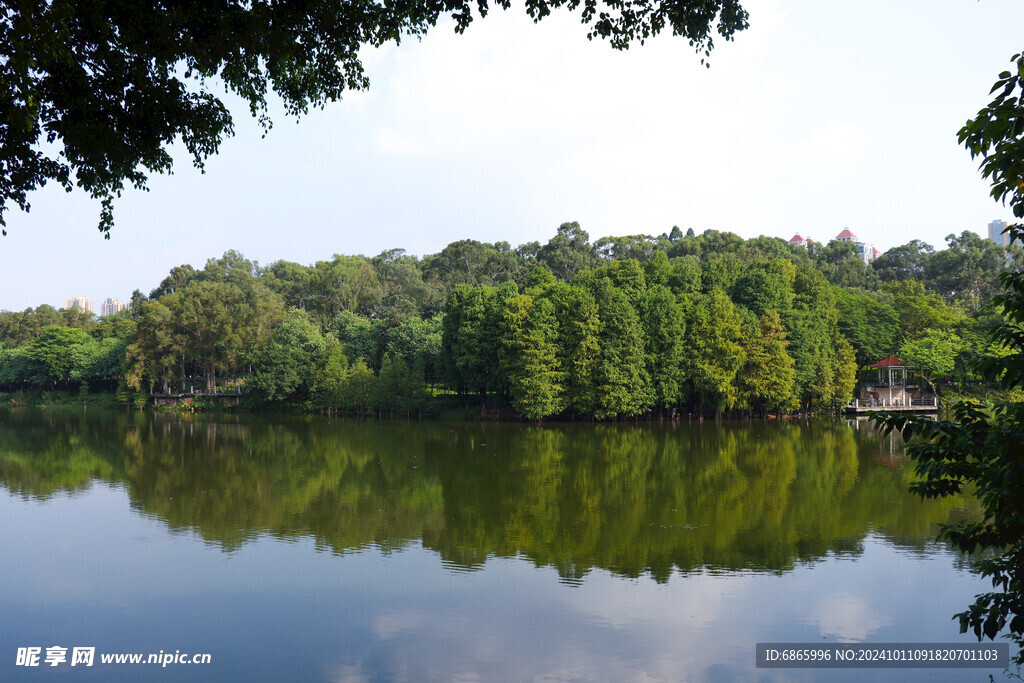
[
  {"x": 112, "y": 306},
  {"x": 81, "y": 302},
  {"x": 996, "y": 234}
]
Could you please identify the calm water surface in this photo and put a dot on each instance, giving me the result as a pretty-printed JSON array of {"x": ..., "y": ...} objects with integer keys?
[{"x": 333, "y": 550}]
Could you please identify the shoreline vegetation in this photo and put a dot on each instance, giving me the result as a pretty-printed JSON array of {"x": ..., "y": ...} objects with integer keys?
[
  {"x": 637, "y": 327},
  {"x": 448, "y": 408}
]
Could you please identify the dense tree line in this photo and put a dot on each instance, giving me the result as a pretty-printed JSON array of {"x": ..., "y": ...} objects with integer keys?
[
  {"x": 626, "y": 339},
  {"x": 621, "y": 327},
  {"x": 47, "y": 348}
]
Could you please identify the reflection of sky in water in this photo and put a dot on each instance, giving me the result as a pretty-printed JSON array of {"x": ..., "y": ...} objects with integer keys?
[{"x": 78, "y": 571}]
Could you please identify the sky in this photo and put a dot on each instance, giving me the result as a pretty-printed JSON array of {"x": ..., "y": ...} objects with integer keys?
[{"x": 820, "y": 116}]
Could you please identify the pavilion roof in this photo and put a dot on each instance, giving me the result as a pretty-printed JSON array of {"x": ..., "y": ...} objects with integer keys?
[
  {"x": 890, "y": 362},
  {"x": 846, "y": 233}
]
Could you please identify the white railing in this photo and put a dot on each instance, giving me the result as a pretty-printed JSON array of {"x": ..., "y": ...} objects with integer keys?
[{"x": 882, "y": 403}]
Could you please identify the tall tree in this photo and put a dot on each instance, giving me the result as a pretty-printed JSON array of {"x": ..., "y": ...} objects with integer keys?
[
  {"x": 843, "y": 265},
  {"x": 568, "y": 252},
  {"x": 684, "y": 277},
  {"x": 579, "y": 346},
  {"x": 714, "y": 338},
  {"x": 664, "y": 326},
  {"x": 330, "y": 386},
  {"x": 345, "y": 283},
  {"x": 768, "y": 378},
  {"x": 56, "y": 351},
  {"x": 871, "y": 325},
  {"x": 637, "y": 247},
  {"x": 156, "y": 352},
  {"x": 628, "y": 277},
  {"x": 720, "y": 271},
  {"x": 919, "y": 309},
  {"x": 223, "y": 323},
  {"x": 395, "y": 389},
  {"x": 468, "y": 262},
  {"x": 206, "y": 318},
  {"x": 357, "y": 389},
  {"x": 825, "y": 362},
  {"x": 910, "y": 261},
  {"x": 290, "y": 280},
  {"x": 403, "y": 290},
  {"x": 418, "y": 343},
  {"x": 470, "y": 337},
  {"x": 968, "y": 271},
  {"x": 530, "y": 356},
  {"x": 766, "y": 286},
  {"x": 933, "y": 356},
  {"x": 623, "y": 385},
  {"x": 286, "y": 365}
]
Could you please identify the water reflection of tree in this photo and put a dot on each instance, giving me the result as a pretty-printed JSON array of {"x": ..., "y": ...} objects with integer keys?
[
  {"x": 56, "y": 452},
  {"x": 631, "y": 499}
]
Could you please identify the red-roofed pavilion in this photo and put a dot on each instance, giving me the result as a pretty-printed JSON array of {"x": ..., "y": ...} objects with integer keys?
[
  {"x": 892, "y": 373},
  {"x": 892, "y": 391}
]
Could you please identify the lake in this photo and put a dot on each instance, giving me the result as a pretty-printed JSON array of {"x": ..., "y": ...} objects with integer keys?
[{"x": 317, "y": 549}]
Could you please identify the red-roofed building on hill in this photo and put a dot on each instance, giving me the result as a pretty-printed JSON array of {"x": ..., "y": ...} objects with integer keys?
[
  {"x": 867, "y": 251},
  {"x": 799, "y": 241}
]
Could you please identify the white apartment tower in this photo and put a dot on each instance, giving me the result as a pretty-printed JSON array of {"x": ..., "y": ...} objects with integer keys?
[
  {"x": 112, "y": 306},
  {"x": 80, "y": 302}
]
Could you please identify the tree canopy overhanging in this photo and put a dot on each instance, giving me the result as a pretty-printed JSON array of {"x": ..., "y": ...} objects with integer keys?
[{"x": 93, "y": 92}]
